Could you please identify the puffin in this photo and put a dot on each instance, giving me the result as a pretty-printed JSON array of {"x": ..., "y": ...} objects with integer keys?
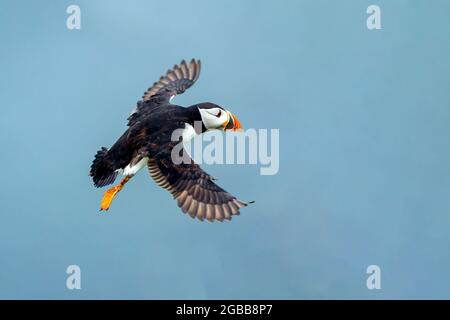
[{"x": 148, "y": 142}]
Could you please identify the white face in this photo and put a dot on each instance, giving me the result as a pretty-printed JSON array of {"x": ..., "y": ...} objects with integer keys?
[{"x": 214, "y": 118}]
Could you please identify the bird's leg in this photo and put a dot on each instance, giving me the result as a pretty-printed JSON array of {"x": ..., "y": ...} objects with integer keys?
[{"x": 111, "y": 193}]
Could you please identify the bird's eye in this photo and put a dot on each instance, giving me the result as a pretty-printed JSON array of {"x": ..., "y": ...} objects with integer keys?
[{"x": 219, "y": 114}]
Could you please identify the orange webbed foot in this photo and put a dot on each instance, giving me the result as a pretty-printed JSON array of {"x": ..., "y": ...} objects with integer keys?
[
  {"x": 108, "y": 198},
  {"x": 109, "y": 195}
]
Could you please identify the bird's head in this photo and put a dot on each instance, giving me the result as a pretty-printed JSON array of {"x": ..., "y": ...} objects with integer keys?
[{"x": 217, "y": 117}]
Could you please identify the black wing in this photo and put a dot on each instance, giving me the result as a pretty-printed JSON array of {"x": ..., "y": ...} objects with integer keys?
[
  {"x": 193, "y": 188},
  {"x": 175, "y": 81}
]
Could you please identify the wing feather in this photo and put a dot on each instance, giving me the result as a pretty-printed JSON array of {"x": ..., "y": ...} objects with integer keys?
[
  {"x": 176, "y": 80},
  {"x": 195, "y": 191}
]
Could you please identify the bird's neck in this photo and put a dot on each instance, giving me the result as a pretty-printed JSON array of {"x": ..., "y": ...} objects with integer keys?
[{"x": 194, "y": 119}]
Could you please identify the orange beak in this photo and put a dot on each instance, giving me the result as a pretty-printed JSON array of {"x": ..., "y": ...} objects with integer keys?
[
  {"x": 237, "y": 125},
  {"x": 233, "y": 123}
]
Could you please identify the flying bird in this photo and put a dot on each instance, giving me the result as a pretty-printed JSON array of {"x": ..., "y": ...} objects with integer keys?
[{"x": 147, "y": 142}]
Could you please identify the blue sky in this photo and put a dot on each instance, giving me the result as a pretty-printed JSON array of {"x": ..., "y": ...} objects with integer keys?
[{"x": 364, "y": 159}]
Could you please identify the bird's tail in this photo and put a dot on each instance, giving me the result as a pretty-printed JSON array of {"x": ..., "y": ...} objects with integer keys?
[{"x": 102, "y": 169}]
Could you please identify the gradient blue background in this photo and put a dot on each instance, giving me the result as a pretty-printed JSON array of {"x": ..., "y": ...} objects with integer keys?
[{"x": 364, "y": 119}]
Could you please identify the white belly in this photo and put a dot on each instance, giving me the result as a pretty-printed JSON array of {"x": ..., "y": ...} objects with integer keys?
[
  {"x": 188, "y": 133},
  {"x": 132, "y": 170}
]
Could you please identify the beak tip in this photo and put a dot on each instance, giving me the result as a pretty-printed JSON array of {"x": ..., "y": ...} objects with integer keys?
[{"x": 236, "y": 124}]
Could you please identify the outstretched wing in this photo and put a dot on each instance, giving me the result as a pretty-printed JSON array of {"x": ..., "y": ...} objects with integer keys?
[
  {"x": 193, "y": 188},
  {"x": 175, "y": 81}
]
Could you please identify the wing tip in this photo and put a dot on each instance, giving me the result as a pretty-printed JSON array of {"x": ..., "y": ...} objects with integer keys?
[{"x": 180, "y": 71}]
